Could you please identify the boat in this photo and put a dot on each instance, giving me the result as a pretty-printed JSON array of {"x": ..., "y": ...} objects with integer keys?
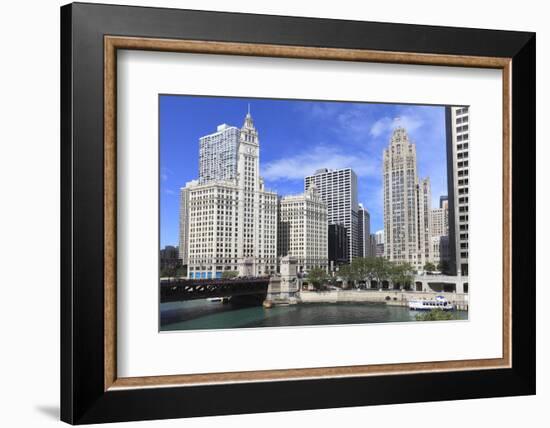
[
  {"x": 214, "y": 299},
  {"x": 440, "y": 302}
]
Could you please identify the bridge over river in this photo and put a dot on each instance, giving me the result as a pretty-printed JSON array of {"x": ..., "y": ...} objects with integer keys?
[
  {"x": 256, "y": 289},
  {"x": 177, "y": 289}
]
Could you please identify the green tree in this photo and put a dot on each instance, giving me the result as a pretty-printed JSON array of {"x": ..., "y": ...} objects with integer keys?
[
  {"x": 361, "y": 268},
  {"x": 332, "y": 280},
  {"x": 435, "y": 315},
  {"x": 173, "y": 271},
  {"x": 429, "y": 267},
  {"x": 229, "y": 274},
  {"x": 401, "y": 274},
  {"x": 317, "y": 277},
  {"x": 381, "y": 269},
  {"x": 181, "y": 271},
  {"x": 348, "y": 274}
]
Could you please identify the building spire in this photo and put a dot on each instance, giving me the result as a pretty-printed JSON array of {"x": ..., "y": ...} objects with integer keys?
[{"x": 248, "y": 122}]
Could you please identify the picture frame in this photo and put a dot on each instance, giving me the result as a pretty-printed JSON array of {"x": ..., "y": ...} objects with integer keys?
[{"x": 91, "y": 391}]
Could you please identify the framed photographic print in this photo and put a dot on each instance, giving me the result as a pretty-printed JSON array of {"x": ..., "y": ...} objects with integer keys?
[{"x": 266, "y": 213}]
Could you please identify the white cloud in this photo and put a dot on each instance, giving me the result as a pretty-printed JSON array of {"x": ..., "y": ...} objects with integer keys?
[
  {"x": 386, "y": 124},
  {"x": 321, "y": 156},
  {"x": 165, "y": 173},
  {"x": 353, "y": 123}
]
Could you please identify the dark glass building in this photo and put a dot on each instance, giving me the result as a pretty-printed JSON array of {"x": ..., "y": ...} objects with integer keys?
[{"x": 337, "y": 245}]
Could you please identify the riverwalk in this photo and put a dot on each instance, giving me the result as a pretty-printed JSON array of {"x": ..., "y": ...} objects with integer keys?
[{"x": 389, "y": 297}]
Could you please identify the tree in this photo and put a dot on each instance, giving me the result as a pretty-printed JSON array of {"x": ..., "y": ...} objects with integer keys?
[
  {"x": 348, "y": 274},
  {"x": 332, "y": 280},
  {"x": 317, "y": 277},
  {"x": 435, "y": 315},
  {"x": 381, "y": 270},
  {"x": 402, "y": 274},
  {"x": 361, "y": 268},
  {"x": 229, "y": 274},
  {"x": 181, "y": 271},
  {"x": 429, "y": 267},
  {"x": 173, "y": 271}
]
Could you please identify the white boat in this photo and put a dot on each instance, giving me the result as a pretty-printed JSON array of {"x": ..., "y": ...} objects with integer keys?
[{"x": 439, "y": 302}]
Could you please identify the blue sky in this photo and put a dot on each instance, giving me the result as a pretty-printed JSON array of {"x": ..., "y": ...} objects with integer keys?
[{"x": 296, "y": 138}]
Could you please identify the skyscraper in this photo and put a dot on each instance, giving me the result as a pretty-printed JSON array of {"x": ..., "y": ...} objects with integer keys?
[
  {"x": 338, "y": 245},
  {"x": 184, "y": 221},
  {"x": 425, "y": 220},
  {"x": 218, "y": 154},
  {"x": 406, "y": 201},
  {"x": 338, "y": 189},
  {"x": 440, "y": 220},
  {"x": 363, "y": 232},
  {"x": 232, "y": 217},
  {"x": 457, "y": 126},
  {"x": 379, "y": 241},
  {"x": 303, "y": 229}
]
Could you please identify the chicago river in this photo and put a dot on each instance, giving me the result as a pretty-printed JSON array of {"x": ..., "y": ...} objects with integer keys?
[{"x": 205, "y": 314}]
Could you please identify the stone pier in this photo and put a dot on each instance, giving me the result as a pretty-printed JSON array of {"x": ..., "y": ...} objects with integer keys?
[{"x": 283, "y": 289}]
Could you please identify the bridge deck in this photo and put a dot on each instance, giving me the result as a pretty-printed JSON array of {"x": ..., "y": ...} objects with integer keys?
[{"x": 174, "y": 290}]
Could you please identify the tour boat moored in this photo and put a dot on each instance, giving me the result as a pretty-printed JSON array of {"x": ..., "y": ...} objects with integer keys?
[{"x": 439, "y": 302}]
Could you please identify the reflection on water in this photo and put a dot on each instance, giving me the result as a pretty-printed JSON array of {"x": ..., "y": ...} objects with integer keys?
[{"x": 204, "y": 314}]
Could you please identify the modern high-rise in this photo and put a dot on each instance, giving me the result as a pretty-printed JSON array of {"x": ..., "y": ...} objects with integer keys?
[
  {"x": 338, "y": 189},
  {"x": 406, "y": 201},
  {"x": 379, "y": 241},
  {"x": 440, "y": 251},
  {"x": 303, "y": 229},
  {"x": 232, "y": 217},
  {"x": 363, "y": 232},
  {"x": 440, "y": 234},
  {"x": 425, "y": 220},
  {"x": 338, "y": 245},
  {"x": 184, "y": 221},
  {"x": 169, "y": 258},
  {"x": 372, "y": 245},
  {"x": 218, "y": 154},
  {"x": 458, "y": 137},
  {"x": 440, "y": 220}
]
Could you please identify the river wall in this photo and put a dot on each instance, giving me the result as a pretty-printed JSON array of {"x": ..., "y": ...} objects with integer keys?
[{"x": 389, "y": 297}]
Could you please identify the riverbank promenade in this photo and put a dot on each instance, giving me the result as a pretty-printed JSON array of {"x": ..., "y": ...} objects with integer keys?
[{"x": 389, "y": 297}]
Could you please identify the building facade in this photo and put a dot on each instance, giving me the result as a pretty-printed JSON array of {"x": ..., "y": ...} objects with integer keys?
[
  {"x": 440, "y": 220},
  {"x": 363, "y": 232},
  {"x": 232, "y": 221},
  {"x": 303, "y": 230},
  {"x": 184, "y": 221},
  {"x": 338, "y": 189},
  {"x": 425, "y": 221},
  {"x": 169, "y": 258},
  {"x": 406, "y": 201},
  {"x": 338, "y": 245},
  {"x": 379, "y": 241},
  {"x": 458, "y": 137},
  {"x": 440, "y": 251},
  {"x": 372, "y": 245},
  {"x": 218, "y": 154}
]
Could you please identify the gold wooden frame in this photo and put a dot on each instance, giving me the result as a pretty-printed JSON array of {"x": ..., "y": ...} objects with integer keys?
[{"x": 113, "y": 43}]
